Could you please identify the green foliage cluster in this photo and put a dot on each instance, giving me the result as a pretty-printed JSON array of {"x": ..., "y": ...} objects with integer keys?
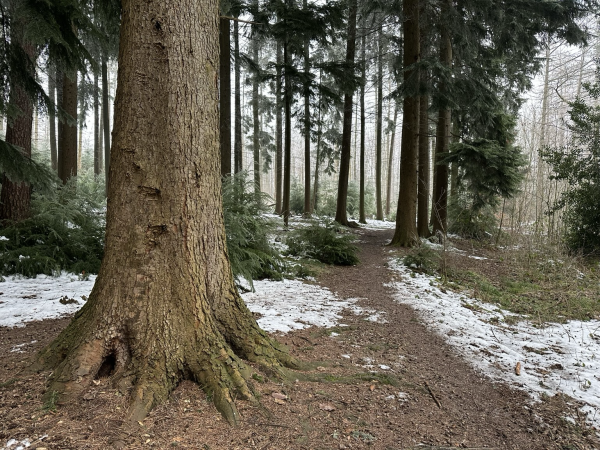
[
  {"x": 64, "y": 232},
  {"x": 251, "y": 253},
  {"x": 423, "y": 258},
  {"x": 578, "y": 164},
  {"x": 467, "y": 222},
  {"x": 490, "y": 168},
  {"x": 324, "y": 241}
]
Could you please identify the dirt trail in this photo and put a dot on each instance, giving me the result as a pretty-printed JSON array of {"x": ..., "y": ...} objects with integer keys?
[
  {"x": 436, "y": 398},
  {"x": 475, "y": 412}
]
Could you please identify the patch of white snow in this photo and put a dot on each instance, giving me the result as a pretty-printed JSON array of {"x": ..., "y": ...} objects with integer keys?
[{"x": 558, "y": 358}]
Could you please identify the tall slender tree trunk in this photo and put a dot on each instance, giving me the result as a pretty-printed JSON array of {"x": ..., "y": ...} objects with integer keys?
[
  {"x": 442, "y": 140},
  {"x": 388, "y": 195},
  {"x": 101, "y": 136},
  {"x": 307, "y": 178},
  {"x": 423, "y": 187},
  {"x": 287, "y": 163},
  {"x": 315, "y": 201},
  {"x": 98, "y": 160},
  {"x": 278, "y": 132},
  {"x": 164, "y": 307},
  {"x": 52, "y": 116},
  {"x": 67, "y": 144},
  {"x": 80, "y": 122},
  {"x": 15, "y": 196},
  {"x": 255, "y": 116},
  {"x": 361, "y": 198},
  {"x": 406, "y": 216},
  {"x": 424, "y": 164},
  {"x": 379, "y": 124},
  {"x": 237, "y": 139},
  {"x": 225, "y": 95},
  {"x": 341, "y": 214},
  {"x": 540, "y": 169},
  {"x": 106, "y": 122}
]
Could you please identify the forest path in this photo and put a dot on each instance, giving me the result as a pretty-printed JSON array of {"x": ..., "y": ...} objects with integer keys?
[
  {"x": 474, "y": 412},
  {"x": 435, "y": 400}
]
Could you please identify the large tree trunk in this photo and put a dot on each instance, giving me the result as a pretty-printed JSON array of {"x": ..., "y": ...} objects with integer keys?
[
  {"x": 442, "y": 141},
  {"x": 361, "y": 199},
  {"x": 423, "y": 188},
  {"x": 237, "y": 138},
  {"x": 341, "y": 215},
  {"x": 225, "y": 96},
  {"x": 98, "y": 160},
  {"x": 278, "y": 132},
  {"x": 379, "y": 124},
  {"x": 106, "y": 122},
  {"x": 164, "y": 307},
  {"x": 388, "y": 192},
  {"x": 307, "y": 179},
  {"x": 15, "y": 197},
  {"x": 67, "y": 138},
  {"x": 406, "y": 216},
  {"x": 52, "y": 116}
]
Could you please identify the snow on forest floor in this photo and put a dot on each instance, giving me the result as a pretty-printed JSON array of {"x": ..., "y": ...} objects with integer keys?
[
  {"x": 282, "y": 305},
  {"x": 556, "y": 358}
]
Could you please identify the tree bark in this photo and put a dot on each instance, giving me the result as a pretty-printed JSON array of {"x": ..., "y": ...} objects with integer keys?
[
  {"x": 80, "y": 123},
  {"x": 361, "y": 200},
  {"x": 255, "y": 117},
  {"x": 278, "y": 132},
  {"x": 106, "y": 122},
  {"x": 67, "y": 139},
  {"x": 388, "y": 195},
  {"x": 406, "y": 216},
  {"x": 15, "y": 197},
  {"x": 379, "y": 124},
  {"x": 164, "y": 307},
  {"x": 98, "y": 160},
  {"x": 307, "y": 178},
  {"x": 423, "y": 188},
  {"x": 52, "y": 116},
  {"x": 287, "y": 150},
  {"x": 424, "y": 164},
  {"x": 442, "y": 141},
  {"x": 341, "y": 215},
  {"x": 225, "y": 95},
  {"x": 315, "y": 201},
  {"x": 237, "y": 138}
]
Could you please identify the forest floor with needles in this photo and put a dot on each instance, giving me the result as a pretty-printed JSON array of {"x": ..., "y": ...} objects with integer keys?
[{"x": 396, "y": 369}]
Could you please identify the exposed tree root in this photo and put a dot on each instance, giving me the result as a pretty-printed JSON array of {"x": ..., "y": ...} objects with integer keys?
[{"x": 149, "y": 371}]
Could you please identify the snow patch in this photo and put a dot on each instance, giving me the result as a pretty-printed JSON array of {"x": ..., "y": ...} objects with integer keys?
[
  {"x": 557, "y": 358},
  {"x": 27, "y": 299}
]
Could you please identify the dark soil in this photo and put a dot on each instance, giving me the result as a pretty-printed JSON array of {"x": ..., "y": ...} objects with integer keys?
[{"x": 439, "y": 401}]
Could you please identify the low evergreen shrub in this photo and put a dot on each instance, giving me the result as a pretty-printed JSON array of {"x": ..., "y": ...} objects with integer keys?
[
  {"x": 422, "y": 258},
  {"x": 324, "y": 241},
  {"x": 252, "y": 254},
  {"x": 64, "y": 232}
]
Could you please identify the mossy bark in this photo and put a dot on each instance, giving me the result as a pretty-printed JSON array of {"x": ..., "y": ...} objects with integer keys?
[{"x": 164, "y": 307}]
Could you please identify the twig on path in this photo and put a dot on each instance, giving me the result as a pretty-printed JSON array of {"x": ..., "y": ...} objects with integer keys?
[{"x": 437, "y": 402}]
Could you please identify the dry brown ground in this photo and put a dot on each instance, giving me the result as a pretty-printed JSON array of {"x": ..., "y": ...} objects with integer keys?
[{"x": 444, "y": 402}]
